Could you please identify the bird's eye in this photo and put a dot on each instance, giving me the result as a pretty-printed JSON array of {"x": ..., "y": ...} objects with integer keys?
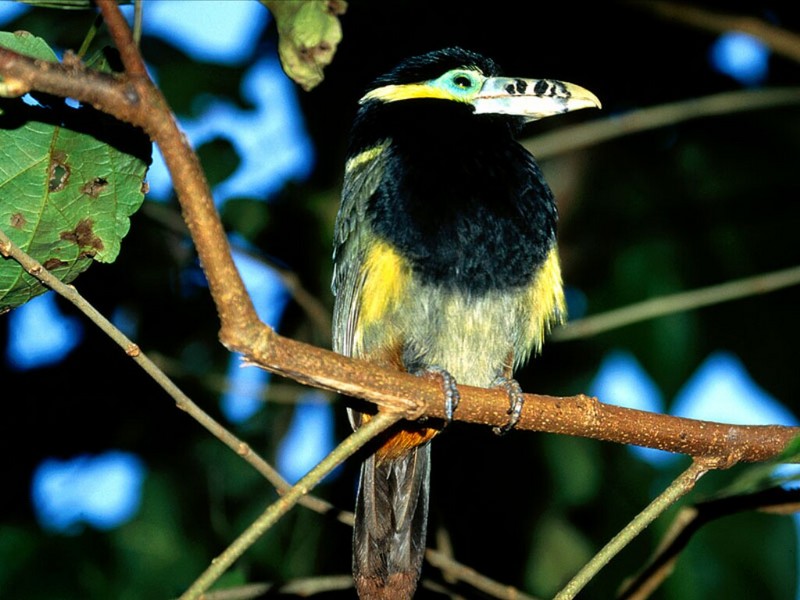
[
  {"x": 459, "y": 84},
  {"x": 462, "y": 81}
]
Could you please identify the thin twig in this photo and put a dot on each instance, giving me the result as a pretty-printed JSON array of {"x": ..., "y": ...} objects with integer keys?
[
  {"x": 278, "y": 391},
  {"x": 240, "y": 592},
  {"x": 470, "y": 576},
  {"x": 9, "y": 249},
  {"x": 303, "y": 587},
  {"x": 691, "y": 519},
  {"x": 275, "y": 511},
  {"x": 311, "y": 305},
  {"x": 310, "y": 586},
  {"x": 678, "y": 488},
  {"x": 138, "y": 14},
  {"x": 444, "y": 545},
  {"x": 679, "y": 302},
  {"x": 90, "y": 35}
]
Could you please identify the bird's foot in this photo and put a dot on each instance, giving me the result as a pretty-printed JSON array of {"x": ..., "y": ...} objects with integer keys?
[
  {"x": 516, "y": 402},
  {"x": 451, "y": 395}
]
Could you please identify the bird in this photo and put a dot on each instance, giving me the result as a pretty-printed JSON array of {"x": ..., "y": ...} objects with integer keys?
[{"x": 445, "y": 264}]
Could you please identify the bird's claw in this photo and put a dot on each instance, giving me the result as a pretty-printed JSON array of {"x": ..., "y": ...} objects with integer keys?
[
  {"x": 451, "y": 394},
  {"x": 516, "y": 402}
]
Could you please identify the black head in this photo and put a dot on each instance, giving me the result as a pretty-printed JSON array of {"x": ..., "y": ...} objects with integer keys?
[
  {"x": 429, "y": 66},
  {"x": 470, "y": 80}
]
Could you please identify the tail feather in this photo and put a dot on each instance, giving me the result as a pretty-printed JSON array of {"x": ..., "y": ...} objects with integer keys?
[{"x": 390, "y": 525}]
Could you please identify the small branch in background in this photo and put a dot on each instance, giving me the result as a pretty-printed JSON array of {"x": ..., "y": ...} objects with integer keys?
[
  {"x": 90, "y": 35},
  {"x": 679, "y": 487},
  {"x": 444, "y": 545},
  {"x": 305, "y": 587},
  {"x": 138, "y": 14},
  {"x": 470, "y": 576},
  {"x": 275, "y": 511},
  {"x": 591, "y": 133},
  {"x": 779, "y": 40},
  {"x": 310, "y": 586},
  {"x": 691, "y": 519},
  {"x": 679, "y": 302},
  {"x": 251, "y": 591},
  {"x": 315, "y": 310}
]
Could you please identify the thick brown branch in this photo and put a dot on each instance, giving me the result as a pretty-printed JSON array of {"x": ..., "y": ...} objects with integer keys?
[
  {"x": 118, "y": 27},
  {"x": 111, "y": 94},
  {"x": 577, "y": 415}
]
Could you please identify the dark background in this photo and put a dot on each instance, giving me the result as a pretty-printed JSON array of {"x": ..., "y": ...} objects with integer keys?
[{"x": 684, "y": 206}]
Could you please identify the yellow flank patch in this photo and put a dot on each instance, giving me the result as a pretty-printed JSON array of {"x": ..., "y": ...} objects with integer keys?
[
  {"x": 546, "y": 301},
  {"x": 386, "y": 276},
  {"x": 392, "y": 93}
]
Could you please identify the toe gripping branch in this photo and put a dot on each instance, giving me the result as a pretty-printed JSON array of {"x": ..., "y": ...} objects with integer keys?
[
  {"x": 515, "y": 399},
  {"x": 451, "y": 395}
]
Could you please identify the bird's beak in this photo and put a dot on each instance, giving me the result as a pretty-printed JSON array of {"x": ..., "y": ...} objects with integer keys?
[{"x": 531, "y": 98}]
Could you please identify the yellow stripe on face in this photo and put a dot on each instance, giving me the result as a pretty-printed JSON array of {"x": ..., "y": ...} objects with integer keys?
[
  {"x": 392, "y": 93},
  {"x": 546, "y": 300},
  {"x": 386, "y": 278}
]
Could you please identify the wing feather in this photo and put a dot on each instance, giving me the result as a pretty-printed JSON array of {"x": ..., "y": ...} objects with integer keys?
[{"x": 363, "y": 175}]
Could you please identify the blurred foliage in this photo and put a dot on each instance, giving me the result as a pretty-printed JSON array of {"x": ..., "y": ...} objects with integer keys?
[
  {"x": 684, "y": 206},
  {"x": 309, "y": 32}
]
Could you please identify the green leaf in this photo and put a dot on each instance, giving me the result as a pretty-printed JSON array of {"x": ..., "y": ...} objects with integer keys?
[
  {"x": 309, "y": 32},
  {"x": 69, "y": 181},
  {"x": 28, "y": 44}
]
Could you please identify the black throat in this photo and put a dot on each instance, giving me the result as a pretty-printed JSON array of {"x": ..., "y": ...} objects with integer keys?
[{"x": 460, "y": 199}]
